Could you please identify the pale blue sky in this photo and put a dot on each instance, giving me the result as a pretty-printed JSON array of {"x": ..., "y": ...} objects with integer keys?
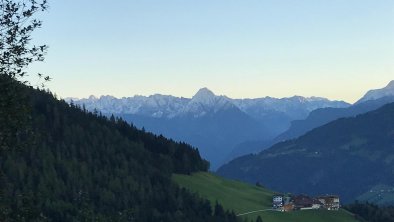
[{"x": 245, "y": 48}]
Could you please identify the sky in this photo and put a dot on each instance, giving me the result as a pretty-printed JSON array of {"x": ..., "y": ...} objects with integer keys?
[{"x": 337, "y": 49}]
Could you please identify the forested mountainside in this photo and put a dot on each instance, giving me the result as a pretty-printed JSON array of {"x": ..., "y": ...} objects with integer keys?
[
  {"x": 348, "y": 157},
  {"x": 81, "y": 166}
]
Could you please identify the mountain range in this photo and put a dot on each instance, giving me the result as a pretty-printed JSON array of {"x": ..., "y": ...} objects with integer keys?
[
  {"x": 372, "y": 100},
  {"x": 215, "y": 124},
  {"x": 205, "y": 102}
]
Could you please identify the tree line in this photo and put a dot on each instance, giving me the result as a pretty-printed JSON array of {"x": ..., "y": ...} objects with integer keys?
[{"x": 370, "y": 212}]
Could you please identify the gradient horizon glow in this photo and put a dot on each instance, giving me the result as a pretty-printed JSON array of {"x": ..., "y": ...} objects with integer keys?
[{"x": 337, "y": 49}]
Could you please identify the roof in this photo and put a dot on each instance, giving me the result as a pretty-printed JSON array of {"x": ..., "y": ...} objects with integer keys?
[
  {"x": 328, "y": 197},
  {"x": 303, "y": 200}
]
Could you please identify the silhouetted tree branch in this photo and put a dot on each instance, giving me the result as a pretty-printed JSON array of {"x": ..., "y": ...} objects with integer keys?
[{"x": 17, "y": 22}]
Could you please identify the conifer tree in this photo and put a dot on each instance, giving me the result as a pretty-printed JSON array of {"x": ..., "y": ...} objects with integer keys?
[{"x": 259, "y": 219}]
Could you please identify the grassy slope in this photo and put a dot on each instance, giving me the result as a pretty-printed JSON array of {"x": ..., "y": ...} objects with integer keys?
[{"x": 241, "y": 197}]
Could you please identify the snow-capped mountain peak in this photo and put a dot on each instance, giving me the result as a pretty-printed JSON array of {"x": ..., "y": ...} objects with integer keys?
[
  {"x": 204, "y": 95},
  {"x": 205, "y": 101}
]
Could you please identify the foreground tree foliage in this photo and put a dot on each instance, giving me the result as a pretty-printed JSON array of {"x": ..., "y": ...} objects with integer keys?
[
  {"x": 82, "y": 166},
  {"x": 17, "y": 23}
]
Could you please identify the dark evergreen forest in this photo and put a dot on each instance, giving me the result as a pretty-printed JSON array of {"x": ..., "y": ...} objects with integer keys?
[
  {"x": 59, "y": 162},
  {"x": 371, "y": 212}
]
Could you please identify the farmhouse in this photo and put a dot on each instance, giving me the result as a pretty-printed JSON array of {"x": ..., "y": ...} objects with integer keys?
[{"x": 304, "y": 202}]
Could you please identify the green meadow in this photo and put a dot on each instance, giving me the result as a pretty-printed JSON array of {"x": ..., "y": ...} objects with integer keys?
[{"x": 242, "y": 198}]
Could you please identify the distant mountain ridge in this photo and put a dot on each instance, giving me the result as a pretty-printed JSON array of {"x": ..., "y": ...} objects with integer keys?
[
  {"x": 322, "y": 116},
  {"x": 378, "y": 93},
  {"x": 203, "y": 102},
  {"x": 372, "y": 100}
]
